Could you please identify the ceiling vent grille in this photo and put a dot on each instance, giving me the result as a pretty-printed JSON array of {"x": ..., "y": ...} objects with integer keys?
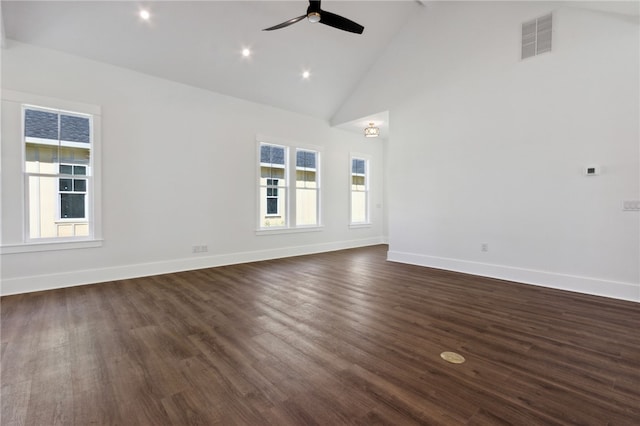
[{"x": 536, "y": 36}]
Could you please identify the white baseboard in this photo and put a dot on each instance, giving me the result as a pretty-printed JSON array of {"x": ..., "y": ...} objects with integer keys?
[
  {"x": 33, "y": 283},
  {"x": 586, "y": 285}
]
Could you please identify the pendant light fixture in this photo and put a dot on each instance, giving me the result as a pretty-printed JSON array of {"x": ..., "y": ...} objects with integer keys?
[{"x": 371, "y": 131}]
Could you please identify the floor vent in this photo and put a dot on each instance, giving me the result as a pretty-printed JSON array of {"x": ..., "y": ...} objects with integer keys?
[
  {"x": 452, "y": 357},
  {"x": 536, "y": 36}
]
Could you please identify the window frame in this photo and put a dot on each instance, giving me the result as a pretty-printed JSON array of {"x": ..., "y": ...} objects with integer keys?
[
  {"x": 284, "y": 209},
  {"x": 22, "y": 101},
  {"x": 290, "y": 188},
  {"x": 367, "y": 191},
  {"x": 88, "y": 199}
]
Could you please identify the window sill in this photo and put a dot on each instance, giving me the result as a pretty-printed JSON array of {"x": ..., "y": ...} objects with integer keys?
[
  {"x": 360, "y": 225},
  {"x": 276, "y": 231},
  {"x": 49, "y": 246}
]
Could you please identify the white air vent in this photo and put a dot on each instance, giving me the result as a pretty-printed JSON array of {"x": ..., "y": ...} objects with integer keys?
[{"x": 536, "y": 36}]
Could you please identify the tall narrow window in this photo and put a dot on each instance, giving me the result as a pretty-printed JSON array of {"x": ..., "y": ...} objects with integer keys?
[
  {"x": 273, "y": 186},
  {"x": 58, "y": 173},
  {"x": 359, "y": 191},
  {"x": 306, "y": 188}
]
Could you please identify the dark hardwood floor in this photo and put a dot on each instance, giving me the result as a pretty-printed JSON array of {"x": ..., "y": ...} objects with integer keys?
[{"x": 335, "y": 338}]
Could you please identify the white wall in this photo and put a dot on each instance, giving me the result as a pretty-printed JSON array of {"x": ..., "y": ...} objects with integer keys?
[
  {"x": 178, "y": 169},
  {"x": 497, "y": 145}
]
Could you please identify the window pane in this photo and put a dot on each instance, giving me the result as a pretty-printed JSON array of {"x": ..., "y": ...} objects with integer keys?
[
  {"x": 80, "y": 170},
  {"x": 42, "y": 193},
  {"x": 79, "y": 185},
  {"x": 43, "y": 198},
  {"x": 66, "y": 170},
  {"x": 357, "y": 166},
  {"x": 272, "y": 209},
  {"x": 40, "y": 124},
  {"x": 358, "y": 207},
  {"x": 306, "y": 207},
  {"x": 271, "y": 154},
  {"x": 357, "y": 183},
  {"x": 65, "y": 184},
  {"x": 272, "y": 172},
  {"x": 272, "y": 205},
  {"x": 75, "y": 155},
  {"x": 306, "y": 162},
  {"x": 306, "y": 159},
  {"x": 306, "y": 179},
  {"x": 72, "y": 206},
  {"x": 75, "y": 129}
]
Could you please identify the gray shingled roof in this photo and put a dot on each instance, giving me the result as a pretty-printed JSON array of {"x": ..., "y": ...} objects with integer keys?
[
  {"x": 306, "y": 159},
  {"x": 271, "y": 154},
  {"x": 357, "y": 166},
  {"x": 44, "y": 124}
]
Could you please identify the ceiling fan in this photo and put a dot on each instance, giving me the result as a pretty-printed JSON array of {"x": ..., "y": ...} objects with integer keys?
[{"x": 315, "y": 14}]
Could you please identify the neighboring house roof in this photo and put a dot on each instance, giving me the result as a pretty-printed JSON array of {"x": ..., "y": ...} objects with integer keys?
[{"x": 54, "y": 126}]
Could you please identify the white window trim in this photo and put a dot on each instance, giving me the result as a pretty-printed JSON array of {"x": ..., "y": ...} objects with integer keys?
[
  {"x": 367, "y": 158},
  {"x": 94, "y": 188},
  {"x": 291, "y": 149}
]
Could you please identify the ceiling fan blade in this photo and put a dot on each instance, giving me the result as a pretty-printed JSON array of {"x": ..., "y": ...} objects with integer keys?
[
  {"x": 340, "y": 22},
  {"x": 285, "y": 24},
  {"x": 314, "y": 5}
]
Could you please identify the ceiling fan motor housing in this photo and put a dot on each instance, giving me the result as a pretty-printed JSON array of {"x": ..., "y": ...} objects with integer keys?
[{"x": 313, "y": 11}]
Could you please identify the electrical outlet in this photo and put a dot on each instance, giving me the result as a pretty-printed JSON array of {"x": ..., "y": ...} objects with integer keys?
[
  {"x": 484, "y": 247},
  {"x": 631, "y": 205}
]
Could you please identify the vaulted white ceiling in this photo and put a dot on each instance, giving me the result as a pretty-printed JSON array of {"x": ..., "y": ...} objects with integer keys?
[{"x": 199, "y": 43}]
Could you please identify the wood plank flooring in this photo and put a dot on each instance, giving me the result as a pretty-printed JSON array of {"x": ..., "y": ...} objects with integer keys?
[{"x": 328, "y": 339}]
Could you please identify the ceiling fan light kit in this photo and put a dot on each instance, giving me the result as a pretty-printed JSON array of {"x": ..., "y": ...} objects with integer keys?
[
  {"x": 313, "y": 17},
  {"x": 315, "y": 14}
]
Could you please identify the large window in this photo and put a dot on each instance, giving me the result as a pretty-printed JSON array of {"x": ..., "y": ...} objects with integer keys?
[
  {"x": 58, "y": 173},
  {"x": 359, "y": 191},
  {"x": 281, "y": 207}
]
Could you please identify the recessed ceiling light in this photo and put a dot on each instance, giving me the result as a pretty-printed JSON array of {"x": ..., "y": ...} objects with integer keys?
[
  {"x": 306, "y": 74},
  {"x": 246, "y": 52},
  {"x": 144, "y": 14}
]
